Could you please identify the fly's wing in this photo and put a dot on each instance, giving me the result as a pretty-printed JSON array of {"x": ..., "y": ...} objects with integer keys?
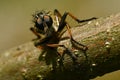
[{"x": 56, "y": 20}]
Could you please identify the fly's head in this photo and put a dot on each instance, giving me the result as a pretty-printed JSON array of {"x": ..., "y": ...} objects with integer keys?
[{"x": 41, "y": 17}]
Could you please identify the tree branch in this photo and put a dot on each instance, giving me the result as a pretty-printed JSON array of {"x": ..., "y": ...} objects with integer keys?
[{"x": 102, "y": 37}]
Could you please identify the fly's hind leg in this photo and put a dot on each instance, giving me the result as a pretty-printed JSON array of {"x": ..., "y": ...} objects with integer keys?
[{"x": 78, "y": 45}]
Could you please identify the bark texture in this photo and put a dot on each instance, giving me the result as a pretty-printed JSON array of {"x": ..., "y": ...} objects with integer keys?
[{"x": 102, "y": 36}]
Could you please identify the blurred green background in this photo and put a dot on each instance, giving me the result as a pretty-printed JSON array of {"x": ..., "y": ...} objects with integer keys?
[{"x": 16, "y": 19}]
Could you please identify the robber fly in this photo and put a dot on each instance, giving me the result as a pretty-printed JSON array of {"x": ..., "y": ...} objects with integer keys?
[{"x": 49, "y": 30}]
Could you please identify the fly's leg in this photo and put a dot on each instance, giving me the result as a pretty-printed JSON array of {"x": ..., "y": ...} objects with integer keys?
[
  {"x": 63, "y": 22},
  {"x": 70, "y": 53},
  {"x": 77, "y": 45},
  {"x": 66, "y": 51},
  {"x": 80, "y": 21}
]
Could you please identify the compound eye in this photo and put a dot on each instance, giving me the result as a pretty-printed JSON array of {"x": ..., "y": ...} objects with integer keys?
[
  {"x": 39, "y": 21},
  {"x": 46, "y": 18}
]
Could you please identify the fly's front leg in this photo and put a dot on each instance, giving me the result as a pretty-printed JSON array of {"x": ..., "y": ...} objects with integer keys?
[
  {"x": 35, "y": 32},
  {"x": 42, "y": 37},
  {"x": 39, "y": 34},
  {"x": 39, "y": 38}
]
